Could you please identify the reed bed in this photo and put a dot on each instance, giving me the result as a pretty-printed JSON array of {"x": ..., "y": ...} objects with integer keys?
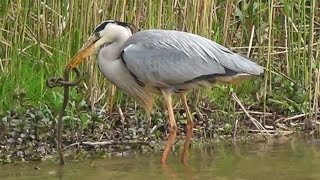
[{"x": 38, "y": 37}]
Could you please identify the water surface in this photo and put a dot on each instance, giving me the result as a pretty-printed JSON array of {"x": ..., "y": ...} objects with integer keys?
[{"x": 289, "y": 161}]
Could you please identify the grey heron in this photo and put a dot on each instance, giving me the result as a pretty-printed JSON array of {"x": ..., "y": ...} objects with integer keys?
[{"x": 154, "y": 62}]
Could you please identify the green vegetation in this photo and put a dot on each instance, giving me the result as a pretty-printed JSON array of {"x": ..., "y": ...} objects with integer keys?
[{"x": 37, "y": 39}]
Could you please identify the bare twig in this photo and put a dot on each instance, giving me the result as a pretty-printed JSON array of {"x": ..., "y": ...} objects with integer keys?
[
  {"x": 253, "y": 120},
  {"x": 71, "y": 145},
  {"x": 283, "y": 127},
  {"x": 255, "y": 112},
  {"x": 235, "y": 129},
  {"x": 290, "y": 118},
  {"x": 251, "y": 39},
  {"x": 121, "y": 116}
]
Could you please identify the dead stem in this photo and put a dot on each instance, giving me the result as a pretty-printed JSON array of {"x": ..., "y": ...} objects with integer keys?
[{"x": 253, "y": 120}]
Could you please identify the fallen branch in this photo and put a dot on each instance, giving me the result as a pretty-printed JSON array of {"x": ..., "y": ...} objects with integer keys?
[
  {"x": 107, "y": 143},
  {"x": 270, "y": 131},
  {"x": 238, "y": 112}
]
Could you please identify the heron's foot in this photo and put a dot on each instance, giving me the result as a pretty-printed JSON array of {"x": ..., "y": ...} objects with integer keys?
[
  {"x": 185, "y": 157},
  {"x": 170, "y": 142},
  {"x": 189, "y": 131}
]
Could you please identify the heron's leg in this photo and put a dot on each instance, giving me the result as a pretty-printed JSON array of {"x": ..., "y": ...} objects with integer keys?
[
  {"x": 172, "y": 124},
  {"x": 189, "y": 130}
]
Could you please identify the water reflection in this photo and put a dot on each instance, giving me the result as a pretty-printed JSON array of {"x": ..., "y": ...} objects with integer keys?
[{"x": 291, "y": 160}]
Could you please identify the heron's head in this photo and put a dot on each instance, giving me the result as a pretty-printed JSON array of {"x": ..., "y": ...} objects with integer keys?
[{"x": 104, "y": 34}]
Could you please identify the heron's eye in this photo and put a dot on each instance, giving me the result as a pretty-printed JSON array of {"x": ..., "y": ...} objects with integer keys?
[{"x": 97, "y": 34}]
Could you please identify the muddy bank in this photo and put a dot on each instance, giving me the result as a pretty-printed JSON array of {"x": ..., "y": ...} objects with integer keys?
[{"x": 29, "y": 135}]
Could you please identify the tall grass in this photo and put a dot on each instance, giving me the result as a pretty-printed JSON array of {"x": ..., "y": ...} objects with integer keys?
[{"x": 37, "y": 38}]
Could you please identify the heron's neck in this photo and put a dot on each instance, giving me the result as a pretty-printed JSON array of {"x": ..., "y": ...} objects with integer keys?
[
  {"x": 117, "y": 73},
  {"x": 113, "y": 68},
  {"x": 110, "y": 52},
  {"x": 109, "y": 55}
]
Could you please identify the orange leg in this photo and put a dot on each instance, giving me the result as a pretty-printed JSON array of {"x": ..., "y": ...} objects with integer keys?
[
  {"x": 189, "y": 130},
  {"x": 172, "y": 124}
]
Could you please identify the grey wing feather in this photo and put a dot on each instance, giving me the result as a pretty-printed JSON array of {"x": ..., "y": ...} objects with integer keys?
[{"x": 165, "y": 58}]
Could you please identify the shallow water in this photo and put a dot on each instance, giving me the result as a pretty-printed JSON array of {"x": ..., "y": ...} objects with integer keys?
[{"x": 292, "y": 160}]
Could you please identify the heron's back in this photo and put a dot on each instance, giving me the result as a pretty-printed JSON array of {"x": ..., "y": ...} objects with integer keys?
[{"x": 168, "y": 58}]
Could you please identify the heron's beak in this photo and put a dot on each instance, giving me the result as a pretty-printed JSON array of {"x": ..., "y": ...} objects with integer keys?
[{"x": 87, "y": 49}]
